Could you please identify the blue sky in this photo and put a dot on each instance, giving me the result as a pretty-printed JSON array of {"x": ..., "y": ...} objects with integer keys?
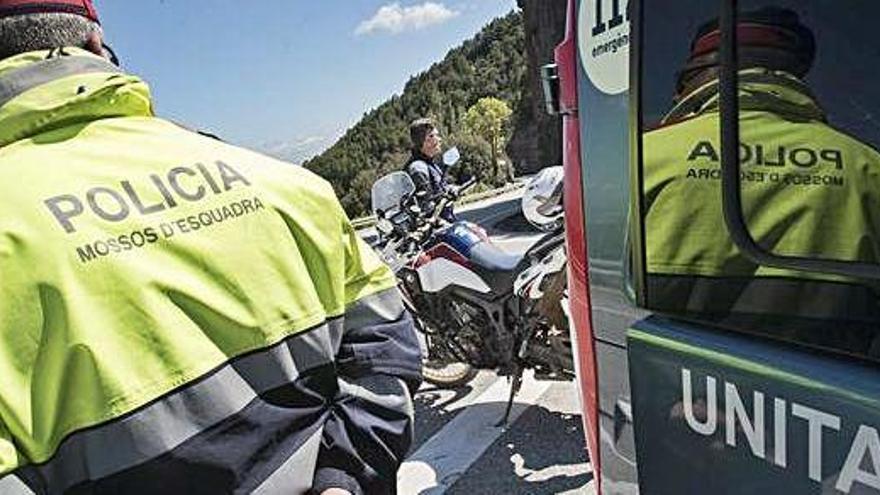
[{"x": 285, "y": 76}]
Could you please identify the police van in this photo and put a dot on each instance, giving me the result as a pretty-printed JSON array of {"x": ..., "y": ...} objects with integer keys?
[{"x": 723, "y": 224}]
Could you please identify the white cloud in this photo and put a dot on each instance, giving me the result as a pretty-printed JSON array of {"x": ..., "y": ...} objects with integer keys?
[{"x": 394, "y": 18}]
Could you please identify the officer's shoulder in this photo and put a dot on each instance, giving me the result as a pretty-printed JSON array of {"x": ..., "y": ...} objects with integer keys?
[
  {"x": 278, "y": 173},
  {"x": 300, "y": 178},
  {"x": 673, "y": 136},
  {"x": 854, "y": 144},
  {"x": 289, "y": 179},
  {"x": 681, "y": 124}
]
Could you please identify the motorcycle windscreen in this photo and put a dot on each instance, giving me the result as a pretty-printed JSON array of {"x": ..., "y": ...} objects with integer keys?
[
  {"x": 716, "y": 413},
  {"x": 389, "y": 191}
]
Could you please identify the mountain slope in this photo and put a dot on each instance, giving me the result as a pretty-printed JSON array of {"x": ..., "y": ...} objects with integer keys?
[{"x": 492, "y": 63}]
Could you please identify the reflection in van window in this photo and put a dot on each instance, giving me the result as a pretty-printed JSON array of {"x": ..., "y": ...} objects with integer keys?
[{"x": 809, "y": 187}]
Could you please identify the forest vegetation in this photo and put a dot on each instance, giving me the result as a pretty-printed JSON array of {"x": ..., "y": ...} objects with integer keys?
[{"x": 491, "y": 64}]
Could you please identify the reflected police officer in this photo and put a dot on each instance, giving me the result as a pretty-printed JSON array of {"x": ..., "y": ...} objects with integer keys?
[{"x": 808, "y": 189}]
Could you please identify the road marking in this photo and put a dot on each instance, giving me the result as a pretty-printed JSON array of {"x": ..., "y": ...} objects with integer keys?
[
  {"x": 548, "y": 473},
  {"x": 445, "y": 457},
  {"x": 451, "y": 400}
]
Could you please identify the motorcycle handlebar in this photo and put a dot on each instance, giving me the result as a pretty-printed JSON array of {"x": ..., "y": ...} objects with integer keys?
[
  {"x": 423, "y": 231},
  {"x": 449, "y": 197},
  {"x": 467, "y": 185}
]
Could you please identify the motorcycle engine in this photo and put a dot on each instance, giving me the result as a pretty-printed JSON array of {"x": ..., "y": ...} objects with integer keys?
[
  {"x": 463, "y": 313},
  {"x": 472, "y": 335}
]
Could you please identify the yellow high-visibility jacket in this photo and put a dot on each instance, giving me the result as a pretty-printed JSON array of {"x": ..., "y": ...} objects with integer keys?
[
  {"x": 179, "y": 315},
  {"x": 808, "y": 190}
]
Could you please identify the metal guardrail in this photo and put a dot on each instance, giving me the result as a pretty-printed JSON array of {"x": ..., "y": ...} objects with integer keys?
[{"x": 367, "y": 222}]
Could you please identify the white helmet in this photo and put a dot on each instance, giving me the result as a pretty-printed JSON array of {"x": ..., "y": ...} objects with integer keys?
[{"x": 542, "y": 200}]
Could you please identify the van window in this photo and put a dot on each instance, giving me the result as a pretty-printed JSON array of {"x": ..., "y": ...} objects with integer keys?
[{"x": 809, "y": 122}]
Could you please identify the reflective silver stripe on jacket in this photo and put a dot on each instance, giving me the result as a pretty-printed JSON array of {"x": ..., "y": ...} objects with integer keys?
[
  {"x": 381, "y": 307},
  {"x": 294, "y": 476},
  {"x": 101, "y": 451},
  {"x": 12, "y": 485},
  {"x": 228, "y": 394},
  {"x": 18, "y": 81},
  {"x": 380, "y": 390}
]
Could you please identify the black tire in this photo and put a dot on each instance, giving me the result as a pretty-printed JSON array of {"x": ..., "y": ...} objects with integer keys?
[
  {"x": 448, "y": 374},
  {"x": 442, "y": 373}
]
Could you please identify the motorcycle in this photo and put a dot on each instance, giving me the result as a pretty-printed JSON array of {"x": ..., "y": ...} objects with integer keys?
[{"x": 477, "y": 305}]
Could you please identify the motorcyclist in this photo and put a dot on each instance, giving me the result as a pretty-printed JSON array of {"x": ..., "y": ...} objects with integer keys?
[{"x": 426, "y": 168}]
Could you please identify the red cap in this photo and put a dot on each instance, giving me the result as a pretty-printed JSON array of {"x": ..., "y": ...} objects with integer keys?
[
  {"x": 747, "y": 34},
  {"x": 84, "y": 8}
]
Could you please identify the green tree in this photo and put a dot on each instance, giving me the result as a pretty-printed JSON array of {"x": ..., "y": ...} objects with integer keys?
[
  {"x": 491, "y": 63},
  {"x": 488, "y": 118},
  {"x": 476, "y": 160}
]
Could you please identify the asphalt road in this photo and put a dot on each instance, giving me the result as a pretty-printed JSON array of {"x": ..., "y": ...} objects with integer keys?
[{"x": 459, "y": 447}]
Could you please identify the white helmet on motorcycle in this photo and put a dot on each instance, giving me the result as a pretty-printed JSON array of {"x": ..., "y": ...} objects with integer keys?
[{"x": 542, "y": 200}]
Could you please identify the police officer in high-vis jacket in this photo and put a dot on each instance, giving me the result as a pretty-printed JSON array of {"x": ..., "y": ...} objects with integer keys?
[
  {"x": 177, "y": 315},
  {"x": 808, "y": 189}
]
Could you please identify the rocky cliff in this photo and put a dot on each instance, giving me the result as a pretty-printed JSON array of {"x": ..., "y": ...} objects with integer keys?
[{"x": 537, "y": 137}]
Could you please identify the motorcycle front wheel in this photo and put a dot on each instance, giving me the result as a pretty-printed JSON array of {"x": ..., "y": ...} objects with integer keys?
[
  {"x": 439, "y": 367},
  {"x": 447, "y": 374}
]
